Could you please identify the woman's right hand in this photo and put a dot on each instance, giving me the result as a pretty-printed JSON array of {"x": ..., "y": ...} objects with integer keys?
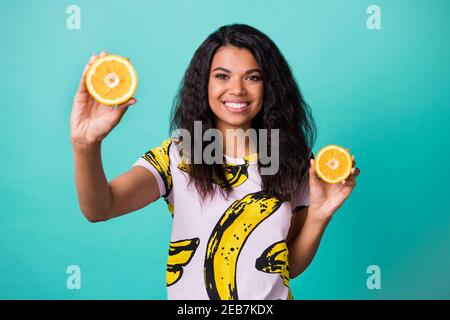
[{"x": 91, "y": 121}]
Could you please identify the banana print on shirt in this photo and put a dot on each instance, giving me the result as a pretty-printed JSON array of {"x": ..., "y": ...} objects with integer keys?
[
  {"x": 212, "y": 256},
  {"x": 159, "y": 158},
  {"x": 169, "y": 206},
  {"x": 228, "y": 238},
  {"x": 180, "y": 254},
  {"x": 236, "y": 174},
  {"x": 275, "y": 259}
]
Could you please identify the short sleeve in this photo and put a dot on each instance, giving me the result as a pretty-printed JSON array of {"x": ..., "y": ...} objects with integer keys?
[
  {"x": 157, "y": 161},
  {"x": 300, "y": 198}
]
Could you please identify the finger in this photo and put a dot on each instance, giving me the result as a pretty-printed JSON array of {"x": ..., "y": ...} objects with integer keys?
[
  {"x": 311, "y": 167},
  {"x": 125, "y": 105},
  {"x": 103, "y": 53},
  {"x": 91, "y": 60},
  {"x": 82, "y": 86},
  {"x": 355, "y": 173},
  {"x": 350, "y": 183},
  {"x": 312, "y": 170},
  {"x": 122, "y": 108},
  {"x": 353, "y": 161}
]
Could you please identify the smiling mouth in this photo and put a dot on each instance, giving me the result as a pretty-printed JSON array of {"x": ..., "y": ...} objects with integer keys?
[{"x": 236, "y": 105}]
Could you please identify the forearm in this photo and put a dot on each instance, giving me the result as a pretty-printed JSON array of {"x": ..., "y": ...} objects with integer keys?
[
  {"x": 94, "y": 194},
  {"x": 303, "y": 247}
]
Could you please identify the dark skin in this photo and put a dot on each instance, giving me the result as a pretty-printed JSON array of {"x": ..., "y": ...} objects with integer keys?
[{"x": 235, "y": 76}]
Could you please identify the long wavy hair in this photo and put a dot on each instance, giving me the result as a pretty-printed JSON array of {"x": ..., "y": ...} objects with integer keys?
[{"x": 283, "y": 108}]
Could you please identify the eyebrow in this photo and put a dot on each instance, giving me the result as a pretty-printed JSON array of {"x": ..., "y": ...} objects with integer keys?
[{"x": 247, "y": 72}]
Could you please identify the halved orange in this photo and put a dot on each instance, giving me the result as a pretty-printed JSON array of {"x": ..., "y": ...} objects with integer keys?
[
  {"x": 111, "y": 80},
  {"x": 333, "y": 163}
]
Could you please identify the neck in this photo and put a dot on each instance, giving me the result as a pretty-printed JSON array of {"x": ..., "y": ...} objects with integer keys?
[{"x": 235, "y": 143}]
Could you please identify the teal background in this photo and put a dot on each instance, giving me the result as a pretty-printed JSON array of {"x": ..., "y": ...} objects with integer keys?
[{"x": 381, "y": 93}]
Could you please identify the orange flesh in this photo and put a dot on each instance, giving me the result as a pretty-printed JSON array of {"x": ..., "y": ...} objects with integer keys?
[
  {"x": 329, "y": 156},
  {"x": 98, "y": 80}
]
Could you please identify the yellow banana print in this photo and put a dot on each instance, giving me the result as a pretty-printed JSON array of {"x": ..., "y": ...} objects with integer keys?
[
  {"x": 159, "y": 158},
  {"x": 275, "y": 259},
  {"x": 228, "y": 238},
  {"x": 180, "y": 254},
  {"x": 169, "y": 205},
  {"x": 236, "y": 174},
  {"x": 290, "y": 296}
]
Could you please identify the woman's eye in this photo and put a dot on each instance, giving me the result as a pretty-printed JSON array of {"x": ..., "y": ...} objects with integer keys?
[
  {"x": 221, "y": 76},
  {"x": 255, "y": 78}
]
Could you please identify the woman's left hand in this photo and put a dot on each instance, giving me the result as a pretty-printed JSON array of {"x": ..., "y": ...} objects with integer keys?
[{"x": 326, "y": 198}]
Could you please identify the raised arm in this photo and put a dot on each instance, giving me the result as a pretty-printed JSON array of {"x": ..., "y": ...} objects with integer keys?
[
  {"x": 90, "y": 123},
  {"x": 100, "y": 200}
]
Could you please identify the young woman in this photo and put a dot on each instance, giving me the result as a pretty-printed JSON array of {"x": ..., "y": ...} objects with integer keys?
[{"x": 237, "y": 233}]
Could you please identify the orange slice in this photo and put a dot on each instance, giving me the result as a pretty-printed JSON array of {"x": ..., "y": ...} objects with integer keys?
[
  {"x": 111, "y": 80},
  {"x": 333, "y": 163}
]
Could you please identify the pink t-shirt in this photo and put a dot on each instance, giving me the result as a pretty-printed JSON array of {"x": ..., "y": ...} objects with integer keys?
[{"x": 223, "y": 249}]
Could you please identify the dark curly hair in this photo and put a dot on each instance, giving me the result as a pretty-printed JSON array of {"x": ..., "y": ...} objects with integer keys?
[{"x": 283, "y": 108}]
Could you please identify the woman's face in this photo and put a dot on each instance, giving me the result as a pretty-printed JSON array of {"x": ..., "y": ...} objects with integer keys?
[{"x": 235, "y": 88}]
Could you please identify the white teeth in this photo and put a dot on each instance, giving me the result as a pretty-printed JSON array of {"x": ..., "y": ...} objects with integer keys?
[{"x": 236, "y": 105}]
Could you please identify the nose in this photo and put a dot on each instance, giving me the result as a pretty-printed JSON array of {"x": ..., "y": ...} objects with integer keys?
[{"x": 237, "y": 88}]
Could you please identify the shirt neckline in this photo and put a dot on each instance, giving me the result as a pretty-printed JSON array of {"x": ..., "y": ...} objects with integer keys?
[{"x": 251, "y": 158}]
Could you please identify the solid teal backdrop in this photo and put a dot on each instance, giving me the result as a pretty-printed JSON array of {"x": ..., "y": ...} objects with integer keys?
[{"x": 381, "y": 93}]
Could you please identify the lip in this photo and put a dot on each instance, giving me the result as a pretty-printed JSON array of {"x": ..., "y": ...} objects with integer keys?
[{"x": 236, "y": 110}]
